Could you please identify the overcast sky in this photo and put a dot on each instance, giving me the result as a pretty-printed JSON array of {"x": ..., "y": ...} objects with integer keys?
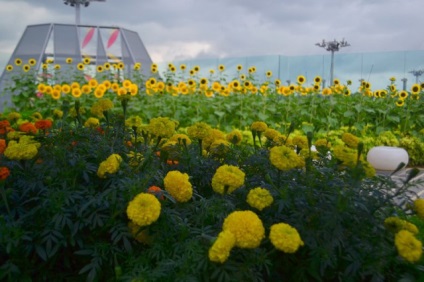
[{"x": 175, "y": 30}]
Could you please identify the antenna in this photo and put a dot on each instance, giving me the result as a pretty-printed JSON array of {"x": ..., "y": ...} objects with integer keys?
[{"x": 77, "y": 4}]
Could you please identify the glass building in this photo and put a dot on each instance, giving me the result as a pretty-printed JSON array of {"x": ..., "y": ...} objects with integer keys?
[{"x": 59, "y": 42}]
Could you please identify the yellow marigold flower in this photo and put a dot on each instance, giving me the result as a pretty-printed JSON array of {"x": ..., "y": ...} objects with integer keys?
[
  {"x": 13, "y": 116},
  {"x": 92, "y": 122},
  {"x": 219, "y": 147},
  {"x": 395, "y": 224},
  {"x": 109, "y": 166},
  {"x": 134, "y": 158},
  {"x": 285, "y": 238},
  {"x": 408, "y": 247},
  {"x": 162, "y": 127},
  {"x": 221, "y": 248},
  {"x": 345, "y": 154},
  {"x": 259, "y": 126},
  {"x": 178, "y": 186},
  {"x": 368, "y": 168},
  {"x": 322, "y": 143},
  {"x": 300, "y": 141},
  {"x": 284, "y": 158},
  {"x": 21, "y": 150},
  {"x": 281, "y": 139},
  {"x": 271, "y": 133},
  {"x": 350, "y": 140},
  {"x": 259, "y": 198},
  {"x": 419, "y": 207},
  {"x": 235, "y": 137},
  {"x": 227, "y": 178},
  {"x": 199, "y": 130},
  {"x": 246, "y": 227},
  {"x": 14, "y": 135},
  {"x": 214, "y": 135},
  {"x": 133, "y": 121},
  {"x": 179, "y": 138},
  {"x": 141, "y": 236},
  {"x": 144, "y": 209}
]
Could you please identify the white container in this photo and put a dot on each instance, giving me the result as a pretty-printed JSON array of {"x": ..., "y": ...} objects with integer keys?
[{"x": 387, "y": 158}]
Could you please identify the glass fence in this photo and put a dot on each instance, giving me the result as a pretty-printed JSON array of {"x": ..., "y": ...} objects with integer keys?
[{"x": 376, "y": 68}]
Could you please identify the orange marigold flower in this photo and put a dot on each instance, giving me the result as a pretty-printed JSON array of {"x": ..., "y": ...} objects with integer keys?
[
  {"x": 28, "y": 127},
  {"x": 4, "y": 173},
  {"x": 2, "y": 146},
  {"x": 4, "y": 125},
  {"x": 171, "y": 162},
  {"x": 157, "y": 191},
  {"x": 43, "y": 124}
]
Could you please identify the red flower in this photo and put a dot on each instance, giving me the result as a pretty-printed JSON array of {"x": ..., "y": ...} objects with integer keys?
[
  {"x": 4, "y": 173},
  {"x": 43, "y": 124}
]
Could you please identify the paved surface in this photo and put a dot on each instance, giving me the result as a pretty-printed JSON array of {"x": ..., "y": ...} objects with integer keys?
[{"x": 417, "y": 181}]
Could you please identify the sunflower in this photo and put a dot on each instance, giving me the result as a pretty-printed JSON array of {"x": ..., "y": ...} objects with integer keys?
[
  {"x": 69, "y": 60},
  {"x": 56, "y": 94},
  {"x": 400, "y": 102},
  {"x": 196, "y": 68},
  {"x": 106, "y": 66},
  {"x": 80, "y": 66},
  {"x": 301, "y": 79},
  {"x": 221, "y": 67},
  {"x": 86, "y": 61},
  {"x": 99, "y": 69},
  {"x": 121, "y": 65},
  {"x": 9, "y": 68},
  {"x": 57, "y": 67},
  {"x": 403, "y": 94},
  {"x": 44, "y": 66},
  {"x": 18, "y": 61},
  {"x": 239, "y": 67},
  {"x": 416, "y": 88},
  {"x": 76, "y": 92},
  {"x": 326, "y": 91},
  {"x": 268, "y": 73},
  {"x": 32, "y": 62},
  {"x": 26, "y": 67},
  {"x": 183, "y": 67},
  {"x": 336, "y": 81},
  {"x": 317, "y": 79},
  {"x": 203, "y": 81},
  {"x": 346, "y": 92}
]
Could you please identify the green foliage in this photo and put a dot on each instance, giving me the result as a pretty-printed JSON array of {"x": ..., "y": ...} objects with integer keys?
[{"x": 66, "y": 223}]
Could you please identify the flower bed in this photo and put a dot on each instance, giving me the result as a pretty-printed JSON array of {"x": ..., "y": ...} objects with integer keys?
[{"x": 115, "y": 186}]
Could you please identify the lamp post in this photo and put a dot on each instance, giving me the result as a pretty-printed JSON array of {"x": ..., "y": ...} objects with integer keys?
[
  {"x": 332, "y": 46},
  {"x": 77, "y": 4},
  {"x": 416, "y": 73}
]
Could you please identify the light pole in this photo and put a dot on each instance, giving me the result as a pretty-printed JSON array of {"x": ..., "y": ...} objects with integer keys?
[
  {"x": 332, "y": 46},
  {"x": 416, "y": 73},
  {"x": 77, "y": 4}
]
